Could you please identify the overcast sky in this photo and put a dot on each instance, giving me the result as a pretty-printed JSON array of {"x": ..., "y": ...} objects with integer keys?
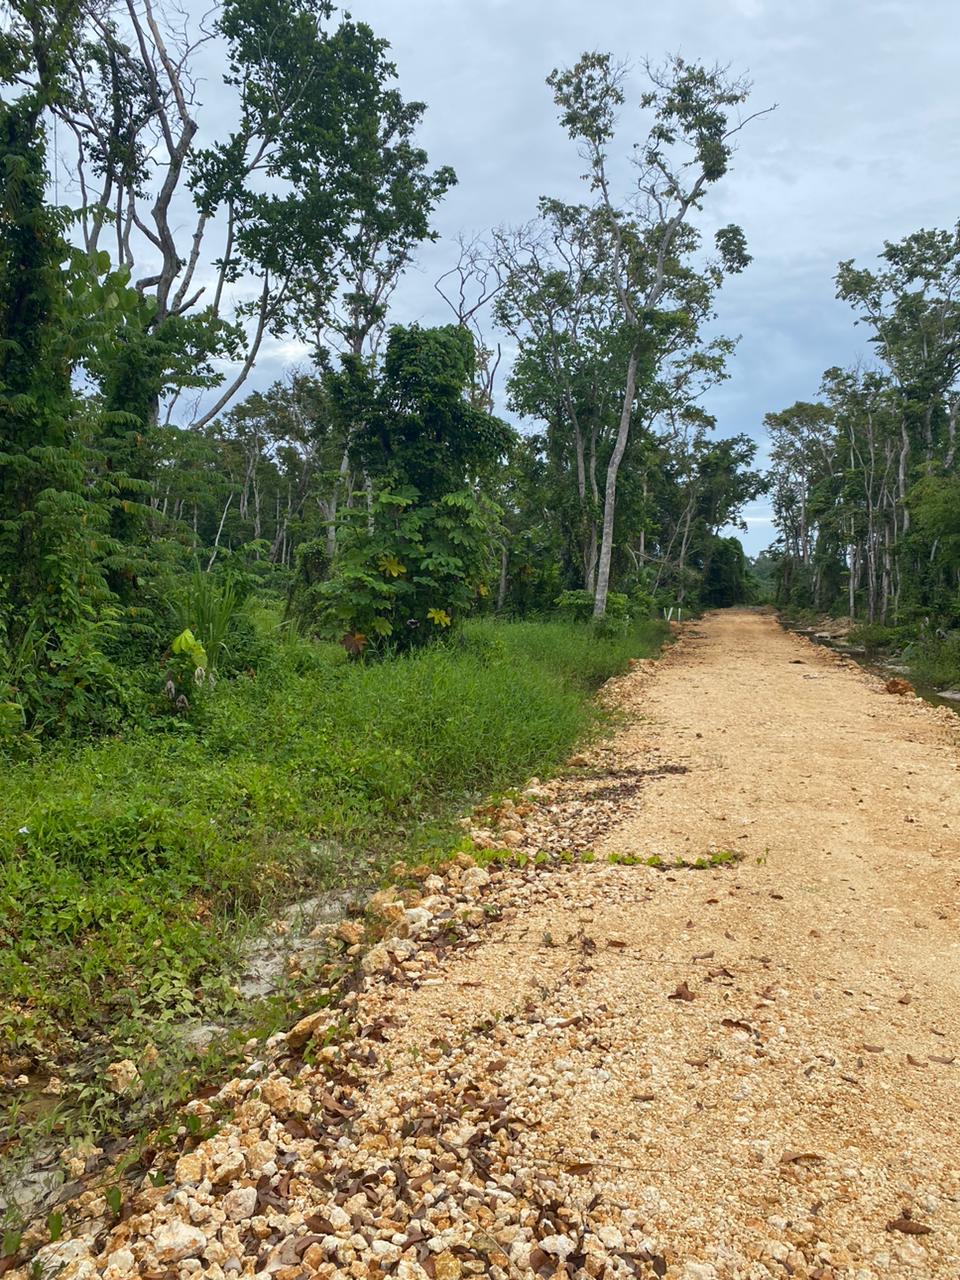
[{"x": 864, "y": 147}]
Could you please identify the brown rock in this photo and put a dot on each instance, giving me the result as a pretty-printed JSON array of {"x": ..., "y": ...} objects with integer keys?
[
  {"x": 303, "y": 1031},
  {"x": 349, "y": 931},
  {"x": 178, "y": 1240},
  {"x": 191, "y": 1167},
  {"x": 447, "y": 1266}
]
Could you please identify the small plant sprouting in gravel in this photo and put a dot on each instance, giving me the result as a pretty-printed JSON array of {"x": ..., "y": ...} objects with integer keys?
[{"x": 718, "y": 858}]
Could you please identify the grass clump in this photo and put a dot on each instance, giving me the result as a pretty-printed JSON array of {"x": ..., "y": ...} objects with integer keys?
[{"x": 719, "y": 858}]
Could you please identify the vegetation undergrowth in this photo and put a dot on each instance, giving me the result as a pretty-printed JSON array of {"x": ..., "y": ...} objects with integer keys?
[
  {"x": 934, "y": 658},
  {"x": 132, "y": 870}
]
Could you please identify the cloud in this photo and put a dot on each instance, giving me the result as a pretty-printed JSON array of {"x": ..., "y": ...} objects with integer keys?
[{"x": 857, "y": 152}]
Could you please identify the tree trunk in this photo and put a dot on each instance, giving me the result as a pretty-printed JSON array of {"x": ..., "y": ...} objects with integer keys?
[
  {"x": 334, "y": 503},
  {"x": 504, "y": 580},
  {"x": 610, "y": 491},
  {"x": 216, "y": 541}
]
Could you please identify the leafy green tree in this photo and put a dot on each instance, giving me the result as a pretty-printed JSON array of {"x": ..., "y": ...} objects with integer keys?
[
  {"x": 57, "y": 314},
  {"x": 319, "y": 179},
  {"x": 695, "y": 120},
  {"x": 859, "y": 477},
  {"x": 418, "y": 557},
  {"x": 559, "y": 304},
  {"x": 725, "y": 580}
]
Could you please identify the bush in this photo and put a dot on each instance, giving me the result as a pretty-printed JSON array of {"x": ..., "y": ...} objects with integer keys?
[
  {"x": 874, "y": 638},
  {"x": 934, "y": 658},
  {"x": 579, "y": 606},
  {"x": 406, "y": 573}
]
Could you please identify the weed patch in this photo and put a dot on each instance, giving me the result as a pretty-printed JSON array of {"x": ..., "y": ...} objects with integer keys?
[{"x": 133, "y": 870}]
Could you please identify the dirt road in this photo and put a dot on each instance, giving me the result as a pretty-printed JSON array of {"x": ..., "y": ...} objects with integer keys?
[{"x": 739, "y": 1072}]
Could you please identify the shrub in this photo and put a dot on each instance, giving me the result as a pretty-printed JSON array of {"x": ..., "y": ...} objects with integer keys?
[
  {"x": 934, "y": 658},
  {"x": 578, "y": 605},
  {"x": 407, "y": 572},
  {"x": 873, "y": 637}
]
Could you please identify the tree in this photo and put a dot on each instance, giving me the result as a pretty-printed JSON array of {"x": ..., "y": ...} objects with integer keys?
[
  {"x": 319, "y": 177},
  {"x": 558, "y": 303},
  {"x": 419, "y": 557},
  {"x": 858, "y": 476},
  {"x": 725, "y": 578},
  {"x": 57, "y": 317},
  {"x": 687, "y": 149}
]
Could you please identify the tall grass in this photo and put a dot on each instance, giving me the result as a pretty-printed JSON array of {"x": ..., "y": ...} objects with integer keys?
[
  {"x": 934, "y": 658},
  {"x": 128, "y": 866},
  {"x": 208, "y": 607}
]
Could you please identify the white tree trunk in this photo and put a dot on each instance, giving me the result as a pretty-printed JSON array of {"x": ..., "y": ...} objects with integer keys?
[{"x": 610, "y": 491}]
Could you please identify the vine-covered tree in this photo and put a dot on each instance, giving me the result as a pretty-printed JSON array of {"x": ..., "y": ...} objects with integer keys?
[{"x": 419, "y": 554}]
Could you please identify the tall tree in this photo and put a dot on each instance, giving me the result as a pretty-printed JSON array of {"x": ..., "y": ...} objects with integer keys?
[
  {"x": 687, "y": 149},
  {"x": 318, "y": 177}
]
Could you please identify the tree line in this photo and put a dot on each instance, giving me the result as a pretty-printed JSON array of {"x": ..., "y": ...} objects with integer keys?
[
  {"x": 865, "y": 480},
  {"x": 375, "y": 490}
]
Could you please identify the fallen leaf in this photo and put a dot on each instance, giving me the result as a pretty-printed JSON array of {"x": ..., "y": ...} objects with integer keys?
[
  {"x": 304, "y": 1243},
  {"x": 538, "y": 1258},
  {"x": 331, "y": 1104},
  {"x": 682, "y": 992},
  {"x": 737, "y": 1024},
  {"x": 909, "y": 1227}
]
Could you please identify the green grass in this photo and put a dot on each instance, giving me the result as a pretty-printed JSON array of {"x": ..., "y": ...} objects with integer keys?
[
  {"x": 131, "y": 868},
  {"x": 874, "y": 638},
  {"x": 934, "y": 659}
]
